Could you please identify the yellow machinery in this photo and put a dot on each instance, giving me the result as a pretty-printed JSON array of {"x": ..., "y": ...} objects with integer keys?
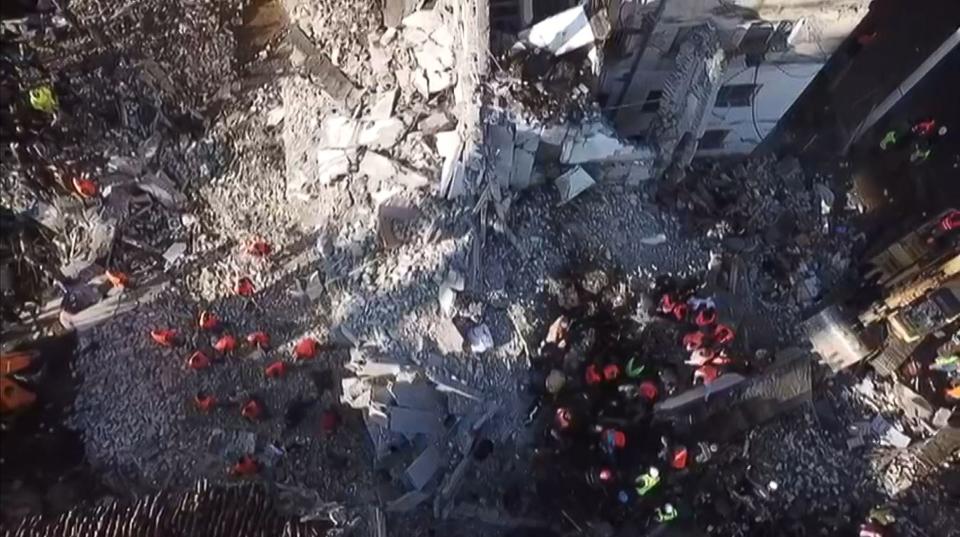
[{"x": 915, "y": 285}]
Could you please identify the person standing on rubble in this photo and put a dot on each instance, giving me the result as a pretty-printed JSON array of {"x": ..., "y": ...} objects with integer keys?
[{"x": 666, "y": 513}]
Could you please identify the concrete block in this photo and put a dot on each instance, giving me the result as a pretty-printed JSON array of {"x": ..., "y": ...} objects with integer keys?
[
  {"x": 423, "y": 469},
  {"x": 562, "y": 33},
  {"x": 411, "y": 422},
  {"x": 572, "y": 183}
]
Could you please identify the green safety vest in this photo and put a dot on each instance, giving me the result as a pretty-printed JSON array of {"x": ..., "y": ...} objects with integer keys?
[
  {"x": 645, "y": 483},
  {"x": 633, "y": 371},
  {"x": 666, "y": 516}
]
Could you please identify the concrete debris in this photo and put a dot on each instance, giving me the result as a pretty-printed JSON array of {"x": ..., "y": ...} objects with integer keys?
[
  {"x": 526, "y": 144},
  {"x": 654, "y": 240},
  {"x": 408, "y": 501},
  {"x": 452, "y": 173},
  {"x": 313, "y": 287},
  {"x": 432, "y": 47},
  {"x": 275, "y": 116},
  {"x": 453, "y": 283},
  {"x": 331, "y": 165},
  {"x": 383, "y": 104},
  {"x": 913, "y": 404},
  {"x": 595, "y": 141},
  {"x": 390, "y": 212},
  {"x": 395, "y": 10},
  {"x": 173, "y": 253},
  {"x": 561, "y": 33},
  {"x": 941, "y": 418},
  {"x": 500, "y": 141},
  {"x": 424, "y": 468},
  {"x": 316, "y": 64},
  {"x": 446, "y": 384},
  {"x": 888, "y": 434},
  {"x": 384, "y": 169},
  {"x": 572, "y": 183},
  {"x": 480, "y": 339},
  {"x": 448, "y": 337},
  {"x": 162, "y": 188},
  {"x": 338, "y": 132},
  {"x": 415, "y": 395},
  {"x": 436, "y": 122},
  {"x": 411, "y": 422}
]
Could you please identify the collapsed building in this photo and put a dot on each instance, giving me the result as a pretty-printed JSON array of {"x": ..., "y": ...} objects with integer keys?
[{"x": 424, "y": 317}]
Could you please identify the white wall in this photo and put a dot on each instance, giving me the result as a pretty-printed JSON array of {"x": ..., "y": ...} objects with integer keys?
[{"x": 780, "y": 85}]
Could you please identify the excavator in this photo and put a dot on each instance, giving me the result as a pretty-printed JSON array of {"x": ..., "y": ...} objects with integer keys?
[
  {"x": 906, "y": 312},
  {"x": 909, "y": 299}
]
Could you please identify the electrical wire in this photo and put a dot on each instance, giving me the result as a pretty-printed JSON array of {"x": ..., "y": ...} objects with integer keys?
[
  {"x": 791, "y": 75},
  {"x": 753, "y": 101}
]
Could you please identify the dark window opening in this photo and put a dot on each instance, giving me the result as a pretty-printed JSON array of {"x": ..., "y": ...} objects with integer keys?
[
  {"x": 734, "y": 95},
  {"x": 713, "y": 139},
  {"x": 652, "y": 104},
  {"x": 756, "y": 38}
]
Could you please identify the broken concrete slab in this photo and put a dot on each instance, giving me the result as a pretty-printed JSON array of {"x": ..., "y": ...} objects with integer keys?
[
  {"x": 329, "y": 77},
  {"x": 941, "y": 418},
  {"x": 595, "y": 142},
  {"x": 431, "y": 56},
  {"x": 416, "y": 395},
  {"x": 423, "y": 469},
  {"x": 572, "y": 183},
  {"x": 383, "y": 104},
  {"x": 436, "y": 122},
  {"x": 364, "y": 367},
  {"x": 500, "y": 140},
  {"x": 426, "y": 20},
  {"x": 526, "y": 144},
  {"x": 390, "y": 212},
  {"x": 355, "y": 392},
  {"x": 410, "y": 422},
  {"x": 395, "y": 10},
  {"x": 913, "y": 404},
  {"x": 453, "y": 283},
  {"x": 338, "y": 132},
  {"x": 174, "y": 253},
  {"x": 452, "y": 173},
  {"x": 407, "y": 502},
  {"x": 561, "y": 33},
  {"x": 163, "y": 189},
  {"x": 480, "y": 338},
  {"x": 445, "y": 384},
  {"x": 331, "y": 164},
  {"x": 448, "y": 337},
  {"x": 438, "y": 81},
  {"x": 448, "y": 142},
  {"x": 380, "y": 167}
]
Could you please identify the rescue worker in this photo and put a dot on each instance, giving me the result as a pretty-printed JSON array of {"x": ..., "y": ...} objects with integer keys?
[
  {"x": 666, "y": 513},
  {"x": 647, "y": 481},
  {"x": 947, "y": 364},
  {"x": 924, "y": 127},
  {"x": 889, "y": 139}
]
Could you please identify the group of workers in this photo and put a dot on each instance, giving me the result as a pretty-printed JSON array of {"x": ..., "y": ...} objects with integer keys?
[
  {"x": 920, "y": 137},
  {"x": 602, "y": 400}
]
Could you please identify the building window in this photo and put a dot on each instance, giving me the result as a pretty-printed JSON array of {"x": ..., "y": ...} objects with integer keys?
[
  {"x": 733, "y": 95},
  {"x": 756, "y": 37},
  {"x": 713, "y": 139},
  {"x": 652, "y": 104}
]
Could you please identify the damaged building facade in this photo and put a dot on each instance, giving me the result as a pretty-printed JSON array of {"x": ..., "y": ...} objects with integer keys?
[{"x": 711, "y": 78}]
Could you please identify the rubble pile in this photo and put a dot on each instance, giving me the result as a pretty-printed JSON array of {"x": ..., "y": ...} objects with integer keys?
[
  {"x": 413, "y": 432},
  {"x": 766, "y": 218},
  {"x": 284, "y": 279}
]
